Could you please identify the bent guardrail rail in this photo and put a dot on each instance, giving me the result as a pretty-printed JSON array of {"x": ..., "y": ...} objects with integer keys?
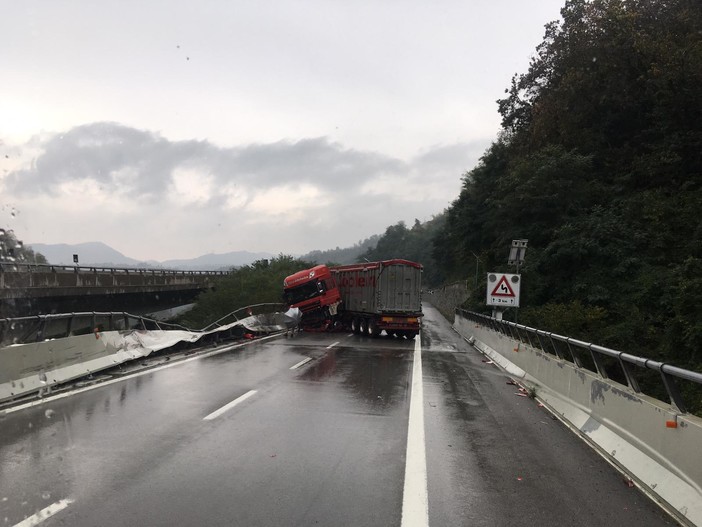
[
  {"x": 596, "y": 391},
  {"x": 40, "y": 352}
]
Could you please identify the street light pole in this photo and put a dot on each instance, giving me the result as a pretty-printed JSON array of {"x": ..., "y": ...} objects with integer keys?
[{"x": 477, "y": 259}]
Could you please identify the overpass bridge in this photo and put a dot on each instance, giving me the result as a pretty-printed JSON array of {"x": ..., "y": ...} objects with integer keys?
[
  {"x": 34, "y": 289},
  {"x": 481, "y": 423}
]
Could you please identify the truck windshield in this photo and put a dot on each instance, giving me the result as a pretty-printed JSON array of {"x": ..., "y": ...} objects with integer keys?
[{"x": 301, "y": 292}]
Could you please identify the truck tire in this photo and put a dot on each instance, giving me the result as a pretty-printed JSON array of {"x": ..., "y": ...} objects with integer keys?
[
  {"x": 355, "y": 325},
  {"x": 363, "y": 326},
  {"x": 373, "y": 328},
  {"x": 409, "y": 335}
]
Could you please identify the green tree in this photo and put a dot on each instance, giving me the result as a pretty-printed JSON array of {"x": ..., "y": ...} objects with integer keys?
[
  {"x": 413, "y": 244},
  {"x": 13, "y": 250},
  {"x": 599, "y": 165},
  {"x": 260, "y": 282}
]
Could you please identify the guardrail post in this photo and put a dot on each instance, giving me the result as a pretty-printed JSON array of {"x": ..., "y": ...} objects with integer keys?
[
  {"x": 69, "y": 329},
  {"x": 528, "y": 337},
  {"x": 556, "y": 351},
  {"x": 541, "y": 342},
  {"x": 628, "y": 370},
  {"x": 597, "y": 359},
  {"x": 673, "y": 392},
  {"x": 576, "y": 359}
]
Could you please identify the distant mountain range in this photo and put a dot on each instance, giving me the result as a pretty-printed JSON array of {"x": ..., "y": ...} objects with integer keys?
[{"x": 102, "y": 255}]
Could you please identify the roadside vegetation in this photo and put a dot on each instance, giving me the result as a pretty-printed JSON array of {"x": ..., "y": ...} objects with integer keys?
[
  {"x": 599, "y": 166},
  {"x": 13, "y": 250},
  {"x": 260, "y": 282}
]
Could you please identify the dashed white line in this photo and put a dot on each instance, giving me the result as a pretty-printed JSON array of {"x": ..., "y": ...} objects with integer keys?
[
  {"x": 301, "y": 363},
  {"x": 415, "y": 500},
  {"x": 44, "y": 514},
  {"x": 332, "y": 345},
  {"x": 229, "y": 406}
]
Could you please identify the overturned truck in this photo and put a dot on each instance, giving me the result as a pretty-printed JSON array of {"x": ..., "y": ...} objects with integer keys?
[{"x": 367, "y": 298}]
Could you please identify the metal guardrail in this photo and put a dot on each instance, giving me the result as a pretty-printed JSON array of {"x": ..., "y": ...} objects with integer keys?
[
  {"x": 248, "y": 310},
  {"x": 9, "y": 267},
  {"x": 23, "y": 330},
  {"x": 597, "y": 359}
]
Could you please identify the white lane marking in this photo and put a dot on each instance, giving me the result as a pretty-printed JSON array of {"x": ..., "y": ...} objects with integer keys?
[
  {"x": 332, "y": 345},
  {"x": 415, "y": 499},
  {"x": 130, "y": 376},
  {"x": 301, "y": 363},
  {"x": 44, "y": 514},
  {"x": 349, "y": 335},
  {"x": 229, "y": 406}
]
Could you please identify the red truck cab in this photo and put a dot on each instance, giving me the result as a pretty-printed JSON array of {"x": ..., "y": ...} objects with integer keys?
[{"x": 314, "y": 292}]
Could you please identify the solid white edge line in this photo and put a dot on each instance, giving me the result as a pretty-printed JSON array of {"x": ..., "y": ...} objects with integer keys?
[
  {"x": 44, "y": 514},
  {"x": 415, "y": 499},
  {"x": 131, "y": 376},
  {"x": 229, "y": 406},
  {"x": 332, "y": 345},
  {"x": 301, "y": 363}
]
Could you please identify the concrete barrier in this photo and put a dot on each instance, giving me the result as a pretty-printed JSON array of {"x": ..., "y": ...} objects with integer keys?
[
  {"x": 26, "y": 368},
  {"x": 653, "y": 442}
]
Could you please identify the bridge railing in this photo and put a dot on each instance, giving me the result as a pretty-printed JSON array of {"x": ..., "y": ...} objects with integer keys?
[
  {"x": 10, "y": 267},
  {"x": 38, "y": 328},
  {"x": 617, "y": 366}
]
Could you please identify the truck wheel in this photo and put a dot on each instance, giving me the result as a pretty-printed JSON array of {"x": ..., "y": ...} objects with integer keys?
[
  {"x": 375, "y": 331},
  {"x": 409, "y": 335},
  {"x": 363, "y": 327},
  {"x": 355, "y": 325}
]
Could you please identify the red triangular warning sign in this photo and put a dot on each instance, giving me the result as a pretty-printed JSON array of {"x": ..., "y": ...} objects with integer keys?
[{"x": 503, "y": 288}]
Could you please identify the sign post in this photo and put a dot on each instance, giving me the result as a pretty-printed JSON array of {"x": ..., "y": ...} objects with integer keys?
[{"x": 517, "y": 253}]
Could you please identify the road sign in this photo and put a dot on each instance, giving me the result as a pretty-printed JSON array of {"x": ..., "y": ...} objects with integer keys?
[
  {"x": 517, "y": 253},
  {"x": 503, "y": 289}
]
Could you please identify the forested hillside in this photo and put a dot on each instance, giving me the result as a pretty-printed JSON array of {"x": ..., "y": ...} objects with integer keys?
[
  {"x": 260, "y": 282},
  {"x": 413, "y": 244},
  {"x": 343, "y": 255},
  {"x": 599, "y": 166}
]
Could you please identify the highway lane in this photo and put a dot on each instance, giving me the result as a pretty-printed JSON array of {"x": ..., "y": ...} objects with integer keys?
[
  {"x": 321, "y": 444},
  {"x": 496, "y": 458}
]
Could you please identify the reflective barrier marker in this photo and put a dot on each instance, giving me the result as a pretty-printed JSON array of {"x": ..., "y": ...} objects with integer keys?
[{"x": 229, "y": 406}]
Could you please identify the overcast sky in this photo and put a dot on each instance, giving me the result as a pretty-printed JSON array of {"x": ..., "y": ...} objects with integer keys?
[{"x": 172, "y": 129}]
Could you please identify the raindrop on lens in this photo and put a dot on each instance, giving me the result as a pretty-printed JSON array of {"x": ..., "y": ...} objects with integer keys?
[{"x": 49, "y": 413}]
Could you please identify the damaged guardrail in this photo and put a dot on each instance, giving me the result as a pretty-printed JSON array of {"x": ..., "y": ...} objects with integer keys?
[
  {"x": 596, "y": 391},
  {"x": 38, "y": 353}
]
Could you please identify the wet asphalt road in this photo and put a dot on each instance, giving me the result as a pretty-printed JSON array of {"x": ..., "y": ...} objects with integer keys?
[{"x": 321, "y": 444}]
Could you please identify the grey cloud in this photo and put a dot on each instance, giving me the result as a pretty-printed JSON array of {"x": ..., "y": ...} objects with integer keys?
[
  {"x": 105, "y": 151},
  {"x": 418, "y": 188}
]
